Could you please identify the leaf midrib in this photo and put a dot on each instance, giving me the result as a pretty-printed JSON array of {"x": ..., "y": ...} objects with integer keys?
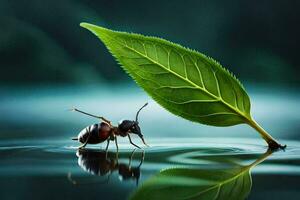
[{"x": 190, "y": 82}]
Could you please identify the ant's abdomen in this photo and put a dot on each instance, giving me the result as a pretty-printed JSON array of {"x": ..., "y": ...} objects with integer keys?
[{"x": 95, "y": 133}]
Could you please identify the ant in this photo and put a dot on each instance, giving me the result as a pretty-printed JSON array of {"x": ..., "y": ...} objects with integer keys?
[
  {"x": 97, "y": 133},
  {"x": 101, "y": 164}
]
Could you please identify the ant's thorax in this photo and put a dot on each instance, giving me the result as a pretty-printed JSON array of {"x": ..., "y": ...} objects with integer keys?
[{"x": 115, "y": 130}]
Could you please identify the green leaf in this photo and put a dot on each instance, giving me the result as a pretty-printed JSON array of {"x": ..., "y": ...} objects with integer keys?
[
  {"x": 187, "y": 183},
  {"x": 184, "y": 183},
  {"x": 183, "y": 81}
]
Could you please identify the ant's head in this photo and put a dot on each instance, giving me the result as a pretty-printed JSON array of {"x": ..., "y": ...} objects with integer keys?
[
  {"x": 132, "y": 126},
  {"x": 129, "y": 126}
]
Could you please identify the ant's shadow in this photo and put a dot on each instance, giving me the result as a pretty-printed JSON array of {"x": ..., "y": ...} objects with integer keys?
[{"x": 103, "y": 163}]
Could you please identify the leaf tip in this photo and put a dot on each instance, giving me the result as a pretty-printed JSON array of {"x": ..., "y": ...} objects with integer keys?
[
  {"x": 99, "y": 31},
  {"x": 93, "y": 28},
  {"x": 86, "y": 25}
]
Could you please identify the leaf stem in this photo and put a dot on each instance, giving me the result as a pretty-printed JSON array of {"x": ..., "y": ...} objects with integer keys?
[{"x": 273, "y": 144}]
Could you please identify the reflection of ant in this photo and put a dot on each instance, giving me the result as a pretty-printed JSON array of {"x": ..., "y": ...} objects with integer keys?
[{"x": 102, "y": 163}]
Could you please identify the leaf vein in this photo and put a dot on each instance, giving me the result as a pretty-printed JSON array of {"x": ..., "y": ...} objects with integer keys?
[
  {"x": 184, "y": 66},
  {"x": 217, "y": 84},
  {"x": 200, "y": 74},
  {"x": 169, "y": 59},
  {"x": 144, "y": 49},
  {"x": 187, "y": 80}
]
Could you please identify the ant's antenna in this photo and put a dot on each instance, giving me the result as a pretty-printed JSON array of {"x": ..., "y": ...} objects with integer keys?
[
  {"x": 137, "y": 114},
  {"x": 102, "y": 118},
  {"x": 75, "y": 109}
]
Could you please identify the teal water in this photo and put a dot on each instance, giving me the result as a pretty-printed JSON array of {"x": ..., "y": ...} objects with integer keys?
[
  {"x": 184, "y": 161},
  {"x": 57, "y": 170}
]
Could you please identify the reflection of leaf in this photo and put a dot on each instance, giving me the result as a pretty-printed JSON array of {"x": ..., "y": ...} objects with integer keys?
[
  {"x": 185, "y": 82},
  {"x": 187, "y": 183},
  {"x": 197, "y": 184}
]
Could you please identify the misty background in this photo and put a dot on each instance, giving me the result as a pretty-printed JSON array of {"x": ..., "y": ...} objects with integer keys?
[{"x": 41, "y": 41}]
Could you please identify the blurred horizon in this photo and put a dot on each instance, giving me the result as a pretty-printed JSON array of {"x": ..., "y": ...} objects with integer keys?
[{"x": 31, "y": 113}]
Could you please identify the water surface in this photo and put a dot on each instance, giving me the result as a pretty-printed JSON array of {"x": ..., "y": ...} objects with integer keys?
[{"x": 41, "y": 170}]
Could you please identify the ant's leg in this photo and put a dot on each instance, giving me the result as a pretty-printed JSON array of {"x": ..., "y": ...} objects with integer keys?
[
  {"x": 130, "y": 158},
  {"x": 108, "y": 141},
  {"x": 116, "y": 141},
  {"x": 132, "y": 142},
  {"x": 142, "y": 160},
  {"x": 102, "y": 118},
  {"x": 86, "y": 141},
  {"x": 84, "y": 144},
  {"x": 70, "y": 179}
]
